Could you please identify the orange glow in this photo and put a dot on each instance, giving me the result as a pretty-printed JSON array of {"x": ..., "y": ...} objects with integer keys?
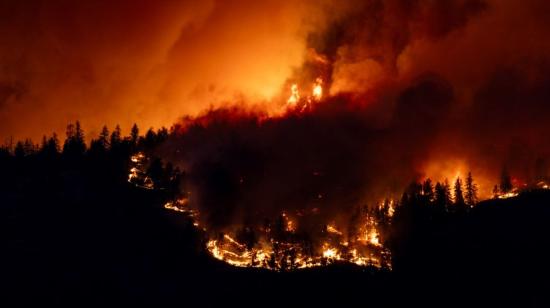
[
  {"x": 294, "y": 96},
  {"x": 441, "y": 169},
  {"x": 332, "y": 229},
  {"x": 318, "y": 89}
]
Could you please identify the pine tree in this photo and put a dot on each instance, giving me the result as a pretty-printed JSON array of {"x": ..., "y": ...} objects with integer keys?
[
  {"x": 70, "y": 133},
  {"x": 79, "y": 137},
  {"x": 459, "y": 196},
  {"x": 29, "y": 147},
  {"x": 447, "y": 191},
  {"x": 74, "y": 144},
  {"x": 19, "y": 150},
  {"x": 150, "y": 138},
  {"x": 460, "y": 205},
  {"x": 134, "y": 134},
  {"x": 44, "y": 143},
  {"x": 471, "y": 191},
  {"x": 441, "y": 198},
  {"x": 116, "y": 137},
  {"x": 104, "y": 137},
  {"x": 428, "y": 190},
  {"x": 50, "y": 146}
]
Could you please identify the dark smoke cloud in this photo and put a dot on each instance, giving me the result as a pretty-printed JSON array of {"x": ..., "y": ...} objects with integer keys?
[
  {"x": 419, "y": 89},
  {"x": 241, "y": 166}
]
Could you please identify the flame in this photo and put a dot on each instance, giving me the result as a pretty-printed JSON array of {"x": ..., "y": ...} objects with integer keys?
[
  {"x": 331, "y": 253},
  {"x": 318, "y": 89},
  {"x": 543, "y": 185},
  {"x": 273, "y": 254},
  {"x": 295, "y": 102},
  {"x": 294, "y": 95},
  {"x": 332, "y": 229},
  {"x": 373, "y": 237},
  {"x": 508, "y": 195},
  {"x": 391, "y": 209}
]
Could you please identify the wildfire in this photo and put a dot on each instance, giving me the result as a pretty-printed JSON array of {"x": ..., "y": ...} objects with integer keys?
[
  {"x": 295, "y": 101},
  {"x": 332, "y": 229},
  {"x": 294, "y": 95},
  {"x": 507, "y": 195},
  {"x": 372, "y": 237},
  {"x": 275, "y": 251},
  {"x": 331, "y": 253},
  {"x": 290, "y": 226},
  {"x": 543, "y": 185},
  {"x": 318, "y": 89},
  {"x": 280, "y": 255},
  {"x": 137, "y": 176}
]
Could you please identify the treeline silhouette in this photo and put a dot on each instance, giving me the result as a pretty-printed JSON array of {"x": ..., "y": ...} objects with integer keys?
[{"x": 76, "y": 232}]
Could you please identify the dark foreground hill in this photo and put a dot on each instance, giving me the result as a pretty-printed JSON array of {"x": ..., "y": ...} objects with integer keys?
[{"x": 86, "y": 237}]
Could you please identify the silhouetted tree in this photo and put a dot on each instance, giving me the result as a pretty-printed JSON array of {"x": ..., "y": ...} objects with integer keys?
[
  {"x": 30, "y": 147},
  {"x": 134, "y": 134},
  {"x": 50, "y": 147},
  {"x": 155, "y": 171},
  {"x": 150, "y": 138},
  {"x": 44, "y": 142},
  {"x": 5, "y": 153},
  {"x": 79, "y": 135},
  {"x": 447, "y": 190},
  {"x": 74, "y": 144},
  {"x": 505, "y": 181},
  {"x": 428, "y": 190},
  {"x": 471, "y": 191},
  {"x": 104, "y": 137},
  {"x": 459, "y": 203},
  {"x": 19, "y": 150},
  {"x": 116, "y": 137},
  {"x": 162, "y": 134},
  {"x": 442, "y": 196}
]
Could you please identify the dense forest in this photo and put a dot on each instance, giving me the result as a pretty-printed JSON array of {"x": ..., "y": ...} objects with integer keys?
[{"x": 75, "y": 231}]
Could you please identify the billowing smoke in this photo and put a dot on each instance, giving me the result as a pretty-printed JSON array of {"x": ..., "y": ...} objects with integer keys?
[
  {"x": 416, "y": 89},
  {"x": 413, "y": 89}
]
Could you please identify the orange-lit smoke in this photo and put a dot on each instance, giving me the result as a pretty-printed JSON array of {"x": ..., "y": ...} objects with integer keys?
[
  {"x": 463, "y": 80},
  {"x": 142, "y": 61}
]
